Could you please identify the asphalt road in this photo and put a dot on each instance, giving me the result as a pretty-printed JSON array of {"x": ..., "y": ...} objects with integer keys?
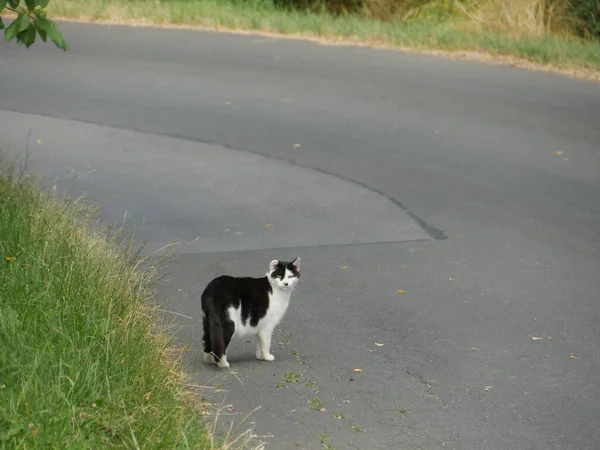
[{"x": 474, "y": 189}]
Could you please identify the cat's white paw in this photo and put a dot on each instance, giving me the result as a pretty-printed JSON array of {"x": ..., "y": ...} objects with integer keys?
[
  {"x": 268, "y": 357},
  {"x": 209, "y": 358},
  {"x": 223, "y": 364}
]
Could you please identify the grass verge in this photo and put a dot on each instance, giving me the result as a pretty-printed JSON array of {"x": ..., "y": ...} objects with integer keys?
[
  {"x": 423, "y": 33},
  {"x": 82, "y": 362}
]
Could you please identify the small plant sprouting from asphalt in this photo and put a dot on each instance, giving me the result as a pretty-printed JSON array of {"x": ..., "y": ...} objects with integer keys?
[
  {"x": 286, "y": 341},
  {"x": 353, "y": 427},
  {"x": 280, "y": 385},
  {"x": 400, "y": 411},
  {"x": 338, "y": 415},
  {"x": 324, "y": 440},
  {"x": 311, "y": 385},
  {"x": 316, "y": 404},
  {"x": 292, "y": 377}
]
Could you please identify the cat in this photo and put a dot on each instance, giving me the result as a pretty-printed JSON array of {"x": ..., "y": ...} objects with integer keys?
[{"x": 241, "y": 306}]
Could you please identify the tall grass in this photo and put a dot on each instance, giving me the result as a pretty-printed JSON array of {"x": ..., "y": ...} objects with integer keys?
[
  {"x": 516, "y": 17},
  {"x": 423, "y": 25},
  {"x": 82, "y": 362}
]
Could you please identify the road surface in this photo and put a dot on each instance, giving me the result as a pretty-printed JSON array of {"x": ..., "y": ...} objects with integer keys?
[{"x": 447, "y": 210}]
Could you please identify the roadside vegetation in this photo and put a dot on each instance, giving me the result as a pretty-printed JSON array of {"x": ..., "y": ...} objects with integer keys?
[
  {"x": 83, "y": 363},
  {"x": 560, "y": 33}
]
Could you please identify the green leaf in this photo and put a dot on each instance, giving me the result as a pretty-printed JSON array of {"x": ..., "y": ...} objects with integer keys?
[
  {"x": 13, "y": 3},
  {"x": 48, "y": 27},
  {"x": 27, "y": 37},
  {"x": 3, "y": 4},
  {"x": 11, "y": 32},
  {"x": 1, "y": 24},
  {"x": 30, "y": 4},
  {"x": 42, "y": 33},
  {"x": 42, "y": 3},
  {"x": 23, "y": 21}
]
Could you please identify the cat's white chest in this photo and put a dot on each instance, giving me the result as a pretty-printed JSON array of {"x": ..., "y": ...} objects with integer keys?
[{"x": 278, "y": 304}]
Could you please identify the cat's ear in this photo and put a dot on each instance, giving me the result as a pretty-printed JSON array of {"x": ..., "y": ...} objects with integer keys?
[
  {"x": 273, "y": 265},
  {"x": 296, "y": 263}
]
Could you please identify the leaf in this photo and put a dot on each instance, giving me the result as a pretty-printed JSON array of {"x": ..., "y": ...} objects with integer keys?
[
  {"x": 42, "y": 33},
  {"x": 23, "y": 22},
  {"x": 42, "y": 3},
  {"x": 1, "y": 23},
  {"x": 400, "y": 291},
  {"x": 378, "y": 344},
  {"x": 27, "y": 37},
  {"x": 14, "y": 3},
  {"x": 3, "y": 5},
  {"x": 50, "y": 29},
  {"x": 31, "y": 4},
  {"x": 15, "y": 28},
  {"x": 357, "y": 370}
]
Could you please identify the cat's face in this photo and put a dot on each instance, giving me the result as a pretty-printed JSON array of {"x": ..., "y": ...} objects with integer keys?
[{"x": 284, "y": 275}]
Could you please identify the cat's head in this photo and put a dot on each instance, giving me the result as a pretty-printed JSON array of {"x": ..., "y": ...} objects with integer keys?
[{"x": 284, "y": 275}]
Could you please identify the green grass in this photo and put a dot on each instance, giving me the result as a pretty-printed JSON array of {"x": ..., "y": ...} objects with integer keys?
[
  {"x": 423, "y": 33},
  {"x": 292, "y": 377},
  {"x": 312, "y": 385},
  {"x": 324, "y": 440},
  {"x": 82, "y": 363},
  {"x": 316, "y": 404}
]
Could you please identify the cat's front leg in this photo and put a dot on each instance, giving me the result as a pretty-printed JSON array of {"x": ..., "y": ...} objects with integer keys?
[{"x": 263, "y": 351}]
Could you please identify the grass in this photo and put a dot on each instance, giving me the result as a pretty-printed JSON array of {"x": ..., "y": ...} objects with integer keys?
[
  {"x": 312, "y": 385},
  {"x": 478, "y": 29},
  {"x": 316, "y": 404},
  {"x": 324, "y": 440},
  {"x": 82, "y": 363},
  {"x": 291, "y": 377}
]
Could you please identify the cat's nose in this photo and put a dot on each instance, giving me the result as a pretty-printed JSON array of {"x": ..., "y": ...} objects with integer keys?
[{"x": 286, "y": 284}]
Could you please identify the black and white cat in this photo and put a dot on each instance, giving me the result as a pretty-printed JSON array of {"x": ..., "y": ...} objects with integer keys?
[{"x": 242, "y": 306}]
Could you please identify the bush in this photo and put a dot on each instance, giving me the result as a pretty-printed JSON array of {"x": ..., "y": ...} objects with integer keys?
[{"x": 587, "y": 13}]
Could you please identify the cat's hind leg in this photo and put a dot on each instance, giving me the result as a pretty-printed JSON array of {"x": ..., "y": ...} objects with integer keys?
[
  {"x": 263, "y": 351},
  {"x": 217, "y": 341},
  {"x": 208, "y": 352},
  {"x": 228, "y": 332}
]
